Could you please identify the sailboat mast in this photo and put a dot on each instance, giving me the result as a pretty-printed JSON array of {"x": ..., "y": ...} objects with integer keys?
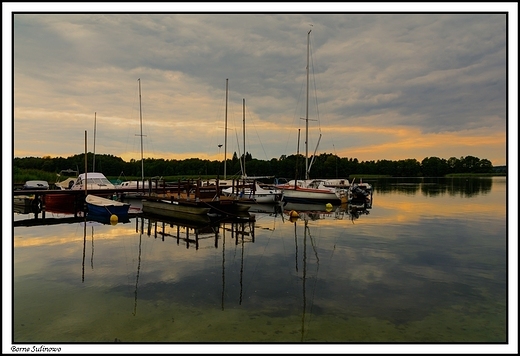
[
  {"x": 94, "y": 154},
  {"x": 307, "y": 114},
  {"x": 141, "y": 122},
  {"x": 225, "y": 132},
  {"x": 244, "y": 133}
]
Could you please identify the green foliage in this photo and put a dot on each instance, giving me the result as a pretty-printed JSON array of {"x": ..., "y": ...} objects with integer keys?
[{"x": 325, "y": 165}]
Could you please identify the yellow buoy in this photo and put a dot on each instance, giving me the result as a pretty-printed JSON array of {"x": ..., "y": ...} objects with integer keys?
[
  {"x": 294, "y": 214},
  {"x": 113, "y": 219},
  {"x": 328, "y": 206}
]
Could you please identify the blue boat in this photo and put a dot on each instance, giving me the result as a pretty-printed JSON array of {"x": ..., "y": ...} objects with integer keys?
[{"x": 99, "y": 206}]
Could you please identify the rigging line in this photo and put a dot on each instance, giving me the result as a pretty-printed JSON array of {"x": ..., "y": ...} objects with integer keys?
[
  {"x": 296, "y": 118},
  {"x": 315, "y": 91},
  {"x": 251, "y": 118}
]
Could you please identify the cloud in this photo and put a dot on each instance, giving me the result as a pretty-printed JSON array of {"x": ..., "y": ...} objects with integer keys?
[{"x": 432, "y": 74}]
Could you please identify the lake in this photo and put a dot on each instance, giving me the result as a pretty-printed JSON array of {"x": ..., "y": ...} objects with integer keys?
[{"x": 428, "y": 263}]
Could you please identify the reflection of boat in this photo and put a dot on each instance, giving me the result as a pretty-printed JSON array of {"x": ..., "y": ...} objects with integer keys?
[
  {"x": 173, "y": 208},
  {"x": 25, "y": 204},
  {"x": 105, "y": 219},
  {"x": 265, "y": 208},
  {"x": 355, "y": 211},
  {"x": 312, "y": 211},
  {"x": 190, "y": 220},
  {"x": 103, "y": 207}
]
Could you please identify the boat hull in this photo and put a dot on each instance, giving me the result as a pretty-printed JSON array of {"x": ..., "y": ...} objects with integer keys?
[
  {"x": 173, "y": 210},
  {"x": 310, "y": 196},
  {"x": 105, "y": 207},
  {"x": 60, "y": 203}
]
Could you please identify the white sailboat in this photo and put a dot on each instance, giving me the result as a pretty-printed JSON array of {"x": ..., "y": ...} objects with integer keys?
[
  {"x": 251, "y": 190},
  {"x": 315, "y": 190},
  {"x": 135, "y": 184}
]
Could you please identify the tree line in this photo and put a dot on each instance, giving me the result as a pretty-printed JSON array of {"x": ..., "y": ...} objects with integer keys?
[{"x": 325, "y": 165}]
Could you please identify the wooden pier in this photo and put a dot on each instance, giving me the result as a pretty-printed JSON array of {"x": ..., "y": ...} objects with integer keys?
[{"x": 191, "y": 192}]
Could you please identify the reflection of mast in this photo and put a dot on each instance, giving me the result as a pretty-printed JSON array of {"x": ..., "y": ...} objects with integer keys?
[
  {"x": 223, "y": 264},
  {"x": 138, "y": 268},
  {"x": 84, "y": 246},
  {"x": 241, "y": 265},
  {"x": 92, "y": 256},
  {"x": 296, "y": 245},
  {"x": 304, "y": 275}
]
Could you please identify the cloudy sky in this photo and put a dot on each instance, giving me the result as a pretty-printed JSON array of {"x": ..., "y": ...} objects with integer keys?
[{"x": 381, "y": 86}]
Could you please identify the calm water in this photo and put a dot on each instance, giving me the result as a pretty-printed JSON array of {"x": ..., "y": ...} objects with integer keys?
[{"x": 427, "y": 264}]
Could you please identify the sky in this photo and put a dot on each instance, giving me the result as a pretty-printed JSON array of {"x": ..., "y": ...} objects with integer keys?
[{"x": 382, "y": 86}]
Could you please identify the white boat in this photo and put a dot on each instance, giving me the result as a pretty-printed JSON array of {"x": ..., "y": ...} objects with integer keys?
[
  {"x": 36, "y": 185},
  {"x": 315, "y": 190},
  {"x": 254, "y": 193},
  {"x": 93, "y": 181},
  {"x": 251, "y": 190},
  {"x": 314, "y": 195},
  {"x": 142, "y": 186}
]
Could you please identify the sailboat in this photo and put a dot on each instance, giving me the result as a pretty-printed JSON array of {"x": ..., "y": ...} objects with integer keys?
[
  {"x": 252, "y": 191},
  {"x": 134, "y": 184},
  {"x": 314, "y": 191}
]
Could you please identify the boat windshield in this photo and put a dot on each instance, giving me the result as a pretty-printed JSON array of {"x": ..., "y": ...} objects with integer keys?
[{"x": 96, "y": 181}]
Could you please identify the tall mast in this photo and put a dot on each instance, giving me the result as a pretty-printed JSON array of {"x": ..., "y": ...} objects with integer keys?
[
  {"x": 94, "y": 154},
  {"x": 141, "y": 122},
  {"x": 244, "y": 133},
  {"x": 225, "y": 132},
  {"x": 307, "y": 114}
]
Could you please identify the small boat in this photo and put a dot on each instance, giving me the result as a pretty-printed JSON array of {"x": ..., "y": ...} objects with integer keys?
[
  {"x": 173, "y": 208},
  {"x": 105, "y": 207},
  {"x": 36, "y": 185},
  {"x": 257, "y": 195},
  {"x": 93, "y": 180},
  {"x": 312, "y": 192},
  {"x": 140, "y": 187},
  {"x": 316, "y": 191},
  {"x": 62, "y": 203},
  {"x": 70, "y": 177},
  {"x": 360, "y": 194}
]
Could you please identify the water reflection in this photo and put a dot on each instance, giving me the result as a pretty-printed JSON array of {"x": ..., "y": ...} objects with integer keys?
[
  {"x": 414, "y": 268},
  {"x": 431, "y": 186},
  {"x": 193, "y": 233},
  {"x": 324, "y": 212},
  {"x": 306, "y": 234}
]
